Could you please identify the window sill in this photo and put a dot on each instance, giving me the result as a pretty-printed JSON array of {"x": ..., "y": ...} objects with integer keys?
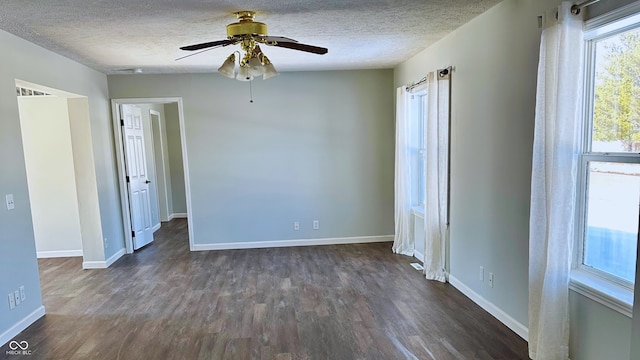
[{"x": 602, "y": 291}]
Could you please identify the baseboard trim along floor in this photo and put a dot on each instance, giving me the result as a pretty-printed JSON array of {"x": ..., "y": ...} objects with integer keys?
[
  {"x": 492, "y": 309},
  {"x": 21, "y": 325},
  {"x": 288, "y": 243}
]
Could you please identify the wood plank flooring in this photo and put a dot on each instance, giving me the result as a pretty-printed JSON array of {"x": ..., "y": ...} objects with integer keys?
[{"x": 326, "y": 302}]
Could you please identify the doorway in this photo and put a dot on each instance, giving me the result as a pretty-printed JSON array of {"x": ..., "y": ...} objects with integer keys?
[
  {"x": 166, "y": 158},
  {"x": 56, "y": 137}
]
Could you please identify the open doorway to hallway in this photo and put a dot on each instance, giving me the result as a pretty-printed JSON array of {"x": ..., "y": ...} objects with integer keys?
[
  {"x": 58, "y": 150},
  {"x": 149, "y": 132}
]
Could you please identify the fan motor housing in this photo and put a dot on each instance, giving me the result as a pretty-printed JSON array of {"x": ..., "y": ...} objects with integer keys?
[{"x": 246, "y": 25}]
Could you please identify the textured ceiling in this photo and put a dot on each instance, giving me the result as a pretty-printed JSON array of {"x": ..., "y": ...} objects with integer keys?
[{"x": 115, "y": 35}]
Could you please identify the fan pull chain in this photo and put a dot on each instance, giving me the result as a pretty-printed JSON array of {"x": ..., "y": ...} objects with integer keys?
[{"x": 250, "y": 92}]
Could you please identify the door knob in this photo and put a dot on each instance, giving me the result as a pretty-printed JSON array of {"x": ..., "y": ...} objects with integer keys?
[{"x": 147, "y": 182}]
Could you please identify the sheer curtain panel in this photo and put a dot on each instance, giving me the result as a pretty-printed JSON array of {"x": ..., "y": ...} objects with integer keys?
[
  {"x": 403, "y": 242},
  {"x": 553, "y": 183},
  {"x": 436, "y": 176}
]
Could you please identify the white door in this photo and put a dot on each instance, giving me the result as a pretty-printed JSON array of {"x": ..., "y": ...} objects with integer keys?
[{"x": 136, "y": 172}]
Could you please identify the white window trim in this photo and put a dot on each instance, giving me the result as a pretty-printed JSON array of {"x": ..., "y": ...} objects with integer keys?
[
  {"x": 603, "y": 290},
  {"x": 418, "y": 211},
  {"x": 420, "y": 94}
]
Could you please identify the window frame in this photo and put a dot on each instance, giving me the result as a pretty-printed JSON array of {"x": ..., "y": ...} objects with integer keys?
[
  {"x": 583, "y": 193},
  {"x": 419, "y": 104},
  {"x": 596, "y": 284}
]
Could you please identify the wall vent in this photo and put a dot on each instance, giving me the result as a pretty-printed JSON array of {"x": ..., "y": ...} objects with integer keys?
[{"x": 23, "y": 91}]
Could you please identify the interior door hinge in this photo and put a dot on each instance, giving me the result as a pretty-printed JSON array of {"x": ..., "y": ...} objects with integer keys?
[
  {"x": 133, "y": 233},
  {"x": 121, "y": 122},
  {"x": 127, "y": 177}
]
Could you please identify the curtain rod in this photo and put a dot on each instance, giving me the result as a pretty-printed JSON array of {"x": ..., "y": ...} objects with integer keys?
[
  {"x": 576, "y": 8},
  {"x": 442, "y": 74}
]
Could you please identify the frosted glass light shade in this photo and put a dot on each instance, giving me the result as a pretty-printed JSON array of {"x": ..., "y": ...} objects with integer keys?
[
  {"x": 269, "y": 71},
  {"x": 228, "y": 68},
  {"x": 255, "y": 67},
  {"x": 243, "y": 74}
]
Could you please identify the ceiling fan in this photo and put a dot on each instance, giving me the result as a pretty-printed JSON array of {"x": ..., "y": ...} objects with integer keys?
[{"x": 249, "y": 34}]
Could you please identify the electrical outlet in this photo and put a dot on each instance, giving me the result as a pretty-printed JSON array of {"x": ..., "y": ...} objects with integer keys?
[
  {"x": 16, "y": 295},
  {"x": 296, "y": 226},
  {"x": 23, "y": 295},
  {"x": 12, "y": 301},
  {"x": 491, "y": 279},
  {"x": 316, "y": 224},
  {"x": 106, "y": 243},
  {"x": 10, "y": 203},
  {"x": 482, "y": 273}
]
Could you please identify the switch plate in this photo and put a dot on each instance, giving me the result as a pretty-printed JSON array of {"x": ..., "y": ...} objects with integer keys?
[
  {"x": 16, "y": 295},
  {"x": 10, "y": 204},
  {"x": 23, "y": 295},
  {"x": 316, "y": 224},
  {"x": 296, "y": 226},
  {"x": 491, "y": 279},
  {"x": 12, "y": 301}
]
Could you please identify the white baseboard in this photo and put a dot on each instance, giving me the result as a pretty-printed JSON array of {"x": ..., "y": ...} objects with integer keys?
[
  {"x": 21, "y": 325},
  {"x": 115, "y": 257},
  {"x": 290, "y": 243},
  {"x": 156, "y": 228},
  {"x": 177, "y": 216},
  {"x": 103, "y": 264},
  {"x": 418, "y": 255},
  {"x": 58, "y": 253},
  {"x": 492, "y": 309}
]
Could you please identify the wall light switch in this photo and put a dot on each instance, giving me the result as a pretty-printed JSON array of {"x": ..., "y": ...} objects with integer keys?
[
  {"x": 23, "y": 296},
  {"x": 16, "y": 295},
  {"x": 12, "y": 301},
  {"x": 10, "y": 203}
]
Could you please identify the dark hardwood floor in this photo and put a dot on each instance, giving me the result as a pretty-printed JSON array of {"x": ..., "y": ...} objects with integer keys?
[{"x": 326, "y": 302}]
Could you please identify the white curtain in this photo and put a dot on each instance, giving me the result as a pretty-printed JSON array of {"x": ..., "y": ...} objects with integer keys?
[
  {"x": 436, "y": 177},
  {"x": 403, "y": 242},
  {"x": 553, "y": 183}
]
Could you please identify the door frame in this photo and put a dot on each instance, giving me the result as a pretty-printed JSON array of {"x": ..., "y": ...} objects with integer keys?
[{"x": 120, "y": 161}]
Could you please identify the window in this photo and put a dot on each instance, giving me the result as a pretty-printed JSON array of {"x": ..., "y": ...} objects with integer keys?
[
  {"x": 609, "y": 196},
  {"x": 418, "y": 116}
]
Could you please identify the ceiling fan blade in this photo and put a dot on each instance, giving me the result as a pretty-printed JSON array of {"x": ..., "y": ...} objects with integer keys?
[
  {"x": 302, "y": 47},
  {"x": 208, "y": 45},
  {"x": 268, "y": 39},
  {"x": 195, "y": 53}
]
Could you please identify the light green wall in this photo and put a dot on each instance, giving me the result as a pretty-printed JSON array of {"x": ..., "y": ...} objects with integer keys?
[
  {"x": 316, "y": 145},
  {"x": 85, "y": 172},
  {"x": 495, "y": 60},
  {"x": 46, "y": 139},
  {"x": 162, "y": 154},
  {"x": 176, "y": 167},
  {"x": 597, "y": 332},
  {"x": 26, "y": 61}
]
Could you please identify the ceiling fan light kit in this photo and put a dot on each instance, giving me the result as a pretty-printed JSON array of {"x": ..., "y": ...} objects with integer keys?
[
  {"x": 248, "y": 33},
  {"x": 228, "y": 68}
]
